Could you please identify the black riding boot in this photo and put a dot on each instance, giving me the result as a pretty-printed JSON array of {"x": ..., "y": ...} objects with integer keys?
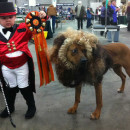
[
  {"x": 28, "y": 96},
  {"x": 10, "y": 94}
]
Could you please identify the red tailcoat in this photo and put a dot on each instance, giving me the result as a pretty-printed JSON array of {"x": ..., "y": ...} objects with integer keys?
[{"x": 18, "y": 41}]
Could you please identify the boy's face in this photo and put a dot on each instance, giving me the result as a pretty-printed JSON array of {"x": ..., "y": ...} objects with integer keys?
[{"x": 7, "y": 21}]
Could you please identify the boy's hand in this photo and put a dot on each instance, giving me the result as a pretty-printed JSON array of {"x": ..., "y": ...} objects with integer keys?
[{"x": 42, "y": 14}]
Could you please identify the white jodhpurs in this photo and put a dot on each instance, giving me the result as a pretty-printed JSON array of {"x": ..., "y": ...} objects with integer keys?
[{"x": 16, "y": 77}]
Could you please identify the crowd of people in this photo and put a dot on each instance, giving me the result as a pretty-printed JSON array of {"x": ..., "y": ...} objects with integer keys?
[
  {"x": 100, "y": 14},
  {"x": 87, "y": 13}
]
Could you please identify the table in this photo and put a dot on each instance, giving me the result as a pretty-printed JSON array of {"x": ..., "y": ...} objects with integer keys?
[{"x": 108, "y": 28}]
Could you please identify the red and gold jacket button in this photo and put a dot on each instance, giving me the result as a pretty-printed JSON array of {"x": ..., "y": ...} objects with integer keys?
[
  {"x": 14, "y": 48},
  {"x": 9, "y": 49},
  {"x": 8, "y": 46},
  {"x": 8, "y": 43}
]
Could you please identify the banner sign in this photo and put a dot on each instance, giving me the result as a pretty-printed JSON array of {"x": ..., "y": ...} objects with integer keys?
[{"x": 66, "y": 4}]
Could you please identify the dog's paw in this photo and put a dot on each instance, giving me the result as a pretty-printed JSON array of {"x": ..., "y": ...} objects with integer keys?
[
  {"x": 120, "y": 91},
  {"x": 72, "y": 110},
  {"x": 94, "y": 116}
]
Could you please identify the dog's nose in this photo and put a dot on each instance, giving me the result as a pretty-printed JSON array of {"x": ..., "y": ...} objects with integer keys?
[{"x": 83, "y": 60}]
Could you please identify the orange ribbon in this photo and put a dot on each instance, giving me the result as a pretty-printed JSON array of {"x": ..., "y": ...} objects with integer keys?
[{"x": 36, "y": 26}]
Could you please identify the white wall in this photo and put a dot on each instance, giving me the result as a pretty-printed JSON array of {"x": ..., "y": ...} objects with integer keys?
[
  {"x": 22, "y": 2},
  {"x": 94, "y": 5}
]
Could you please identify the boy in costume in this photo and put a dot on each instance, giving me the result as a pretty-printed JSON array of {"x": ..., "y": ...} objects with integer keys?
[{"x": 16, "y": 64}]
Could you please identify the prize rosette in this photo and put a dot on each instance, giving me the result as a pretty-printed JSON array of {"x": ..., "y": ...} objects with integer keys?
[{"x": 37, "y": 25}]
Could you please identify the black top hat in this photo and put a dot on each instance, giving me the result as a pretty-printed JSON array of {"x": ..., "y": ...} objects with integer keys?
[{"x": 6, "y": 8}]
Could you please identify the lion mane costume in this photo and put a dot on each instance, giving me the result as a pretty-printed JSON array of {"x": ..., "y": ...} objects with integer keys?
[{"x": 79, "y": 59}]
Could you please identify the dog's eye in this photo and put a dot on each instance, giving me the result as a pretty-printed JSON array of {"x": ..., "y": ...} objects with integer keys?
[
  {"x": 84, "y": 51},
  {"x": 75, "y": 51}
]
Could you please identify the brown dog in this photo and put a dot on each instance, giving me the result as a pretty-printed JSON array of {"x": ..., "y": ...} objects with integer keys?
[{"x": 79, "y": 59}]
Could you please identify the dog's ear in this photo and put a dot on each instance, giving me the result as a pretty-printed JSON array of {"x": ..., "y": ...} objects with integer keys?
[
  {"x": 58, "y": 41},
  {"x": 94, "y": 51},
  {"x": 97, "y": 52}
]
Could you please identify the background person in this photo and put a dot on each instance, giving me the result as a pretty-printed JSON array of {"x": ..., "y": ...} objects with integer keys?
[
  {"x": 99, "y": 14},
  {"x": 110, "y": 12},
  {"x": 103, "y": 15},
  {"x": 89, "y": 17},
  {"x": 80, "y": 12},
  {"x": 114, "y": 22},
  {"x": 116, "y": 9},
  {"x": 128, "y": 15},
  {"x": 96, "y": 14},
  {"x": 51, "y": 11}
]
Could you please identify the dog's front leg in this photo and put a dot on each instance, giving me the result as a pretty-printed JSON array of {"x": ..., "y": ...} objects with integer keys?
[
  {"x": 98, "y": 90},
  {"x": 73, "y": 109}
]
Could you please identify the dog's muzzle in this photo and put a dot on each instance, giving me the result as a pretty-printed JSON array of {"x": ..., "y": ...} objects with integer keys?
[{"x": 83, "y": 60}]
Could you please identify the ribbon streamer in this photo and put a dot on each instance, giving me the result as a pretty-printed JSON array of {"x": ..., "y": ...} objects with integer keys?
[{"x": 36, "y": 26}]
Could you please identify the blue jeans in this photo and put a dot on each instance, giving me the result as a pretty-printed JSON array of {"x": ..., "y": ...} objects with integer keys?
[
  {"x": 89, "y": 22},
  {"x": 115, "y": 35}
]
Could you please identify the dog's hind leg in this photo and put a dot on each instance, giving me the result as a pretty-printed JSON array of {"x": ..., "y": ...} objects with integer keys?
[
  {"x": 73, "y": 109},
  {"x": 118, "y": 70},
  {"x": 127, "y": 68},
  {"x": 98, "y": 90}
]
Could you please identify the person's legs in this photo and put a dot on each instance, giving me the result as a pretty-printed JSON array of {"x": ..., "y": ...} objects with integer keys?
[
  {"x": 102, "y": 23},
  {"x": 9, "y": 76},
  {"x": 81, "y": 23},
  {"x": 18, "y": 76},
  {"x": 25, "y": 89},
  {"x": 10, "y": 89},
  {"x": 116, "y": 36},
  {"x": 88, "y": 22},
  {"x": 28, "y": 96},
  {"x": 78, "y": 23},
  {"x": 99, "y": 19},
  {"x": 91, "y": 22},
  {"x": 10, "y": 94},
  {"x": 128, "y": 28},
  {"x": 53, "y": 23},
  {"x": 109, "y": 36}
]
